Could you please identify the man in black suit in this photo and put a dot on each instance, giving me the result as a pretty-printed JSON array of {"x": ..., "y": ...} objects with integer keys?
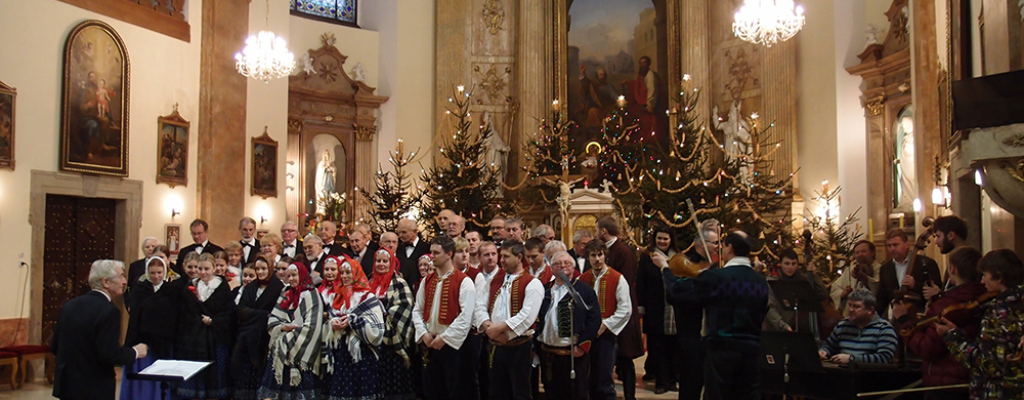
[
  {"x": 138, "y": 267},
  {"x": 315, "y": 254},
  {"x": 328, "y": 231},
  {"x": 497, "y": 229},
  {"x": 290, "y": 242},
  {"x": 893, "y": 274},
  {"x": 86, "y": 339},
  {"x": 579, "y": 242},
  {"x": 410, "y": 248},
  {"x": 202, "y": 245},
  {"x": 250, "y": 245},
  {"x": 363, "y": 248}
]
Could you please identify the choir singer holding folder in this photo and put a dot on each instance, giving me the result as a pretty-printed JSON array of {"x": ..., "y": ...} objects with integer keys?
[{"x": 86, "y": 339}]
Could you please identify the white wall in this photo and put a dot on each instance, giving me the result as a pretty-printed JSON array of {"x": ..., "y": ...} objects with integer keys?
[
  {"x": 817, "y": 145},
  {"x": 164, "y": 71},
  {"x": 851, "y": 137}
]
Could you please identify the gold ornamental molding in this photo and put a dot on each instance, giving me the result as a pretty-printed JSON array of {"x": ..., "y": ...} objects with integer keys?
[
  {"x": 876, "y": 106},
  {"x": 365, "y": 133},
  {"x": 294, "y": 125},
  {"x": 494, "y": 83},
  {"x": 494, "y": 16},
  {"x": 1015, "y": 140}
]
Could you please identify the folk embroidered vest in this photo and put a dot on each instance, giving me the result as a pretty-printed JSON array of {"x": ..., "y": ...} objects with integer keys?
[
  {"x": 606, "y": 288},
  {"x": 450, "y": 307},
  {"x": 518, "y": 291}
]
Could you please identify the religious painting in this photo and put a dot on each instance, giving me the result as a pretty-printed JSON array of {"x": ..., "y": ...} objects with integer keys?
[
  {"x": 327, "y": 159},
  {"x": 94, "y": 122},
  {"x": 904, "y": 171},
  {"x": 617, "y": 60},
  {"x": 172, "y": 237},
  {"x": 264, "y": 166},
  {"x": 172, "y": 150},
  {"x": 7, "y": 97}
]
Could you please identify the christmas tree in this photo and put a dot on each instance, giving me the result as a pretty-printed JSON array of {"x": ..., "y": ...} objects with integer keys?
[
  {"x": 831, "y": 240},
  {"x": 550, "y": 156},
  {"x": 461, "y": 181},
  {"x": 394, "y": 196}
]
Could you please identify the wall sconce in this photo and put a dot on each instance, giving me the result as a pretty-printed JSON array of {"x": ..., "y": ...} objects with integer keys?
[
  {"x": 940, "y": 191},
  {"x": 174, "y": 213},
  {"x": 263, "y": 219},
  {"x": 264, "y": 212},
  {"x": 174, "y": 204}
]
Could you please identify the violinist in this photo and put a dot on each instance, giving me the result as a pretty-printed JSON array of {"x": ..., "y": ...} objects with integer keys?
[
  {"x": 898, "y": 277},
  {"x": 994, "y": 357},
  {"x": 950, "y": 233},
  {"x": 863, "y": 275},
  {"x": 781, "y": 318},
  {"x": 938, "y": 367}
]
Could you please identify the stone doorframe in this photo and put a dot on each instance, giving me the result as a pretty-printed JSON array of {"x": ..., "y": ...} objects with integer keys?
[{"x": 128, "y": 196}]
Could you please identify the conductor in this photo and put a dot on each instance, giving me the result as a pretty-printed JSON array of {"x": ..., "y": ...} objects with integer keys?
[{"x": 86, "y": 339}]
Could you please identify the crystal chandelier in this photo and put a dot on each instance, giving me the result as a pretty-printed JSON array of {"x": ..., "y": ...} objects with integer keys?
[
  {"x": 768, "y": 21},
  {"x": 265, "y": 56}
]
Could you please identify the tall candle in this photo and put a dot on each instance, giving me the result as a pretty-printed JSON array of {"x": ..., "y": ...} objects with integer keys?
[
  {"x": 871, "y": 230},
  {"x": 901, "y": 221}
]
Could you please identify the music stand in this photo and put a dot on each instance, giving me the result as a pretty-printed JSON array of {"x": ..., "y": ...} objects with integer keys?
[
  {"x": 796, "y": 295},
  {"x": 170, "y": 371},
  {"x": 789, "y": 352}
]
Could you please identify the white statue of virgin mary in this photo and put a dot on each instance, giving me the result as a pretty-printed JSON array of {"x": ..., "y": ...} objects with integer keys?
[{"x": 325, "y": 178}]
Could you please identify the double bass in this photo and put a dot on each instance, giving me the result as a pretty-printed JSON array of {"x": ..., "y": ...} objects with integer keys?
[
  {"x": 905, "y": 293},
  {"x": 829, "y": 318}
]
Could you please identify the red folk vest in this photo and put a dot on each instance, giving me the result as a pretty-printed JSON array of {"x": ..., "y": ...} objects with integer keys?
[
  {"x": 546, "y": 275},
  {"x": 605, "y": 289},
  {"x": 518, "y": 291},
  {"x": 450, "y": 307},
  {"x": 472, "y": 272}
]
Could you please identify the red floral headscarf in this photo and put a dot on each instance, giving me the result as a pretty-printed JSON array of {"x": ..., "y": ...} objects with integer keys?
[
  {"x": 345, "y": 292},
  {"x": 292, "y": 295},
  {"x": 325, "y": 285},
  {"x": 380, "y": 282}
]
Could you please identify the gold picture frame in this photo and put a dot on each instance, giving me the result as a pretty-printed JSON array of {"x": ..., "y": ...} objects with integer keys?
[
  {"x": 264, "y": 166},
  {"x": 94, "y": 120},
  {"x": 172, "y": 238},
  {"x": 8, "y": 98},
  {"x": 172, "y": 149}
]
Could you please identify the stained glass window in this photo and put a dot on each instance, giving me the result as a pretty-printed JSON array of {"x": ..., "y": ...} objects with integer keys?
[{"x": 343, "y": 11}]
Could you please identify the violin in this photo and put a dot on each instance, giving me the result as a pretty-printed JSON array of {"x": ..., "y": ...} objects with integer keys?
[
  {"x": 906, "y": 292},
  {"x": 959, "y": 314},
  {"x": 680, "y": 264}
]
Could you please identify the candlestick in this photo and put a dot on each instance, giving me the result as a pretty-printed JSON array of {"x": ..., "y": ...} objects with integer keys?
[{"x": 871, "y": 230}]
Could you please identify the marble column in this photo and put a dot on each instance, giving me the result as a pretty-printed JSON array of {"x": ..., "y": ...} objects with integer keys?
[
  {"x": 695, "y": 57},
  {"x": 453, "y": 38},
  {"x": 927, "y": 117},
  {"x": 533, "y": 73},
  {"x": 779, "y": 105},
  {"x": 221, "y": 188}
]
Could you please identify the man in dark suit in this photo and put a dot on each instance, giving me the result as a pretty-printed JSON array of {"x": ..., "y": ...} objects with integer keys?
[
  {"x": 290, "y": 242},
  {"x": 86, "y": 339},
  {"x": 579, "y": 242},
  {"x": 328, "y": 231},
  {"x": 138, "y": 268},
  {"x": 410, "y": 248},
  {"x": 555, "y": 342},
  {"x": 315, "y": 254},
  {"x": 893, "y": 274},
  {"x": 363, "y": 248},
  {"x": 200, "y": 229},
  {"x": 623, "y": 259},
  {"x": 250, "y": 245}
]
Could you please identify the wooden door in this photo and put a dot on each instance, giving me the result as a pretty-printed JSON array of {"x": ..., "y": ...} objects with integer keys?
[{"x": 78, "y": 231}]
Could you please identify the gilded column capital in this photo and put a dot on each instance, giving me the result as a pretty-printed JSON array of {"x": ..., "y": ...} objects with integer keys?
[
  {"x": 875, "y": 106},
  {"x": 365, "y": 133},
  {"x": 294, "y": 125}
]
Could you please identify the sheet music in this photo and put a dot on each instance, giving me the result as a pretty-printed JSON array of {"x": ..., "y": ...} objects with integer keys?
[{"x": 176, "y": 368}]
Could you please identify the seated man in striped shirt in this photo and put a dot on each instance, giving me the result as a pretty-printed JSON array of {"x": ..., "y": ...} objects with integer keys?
[{"x": 864, "y": 337}]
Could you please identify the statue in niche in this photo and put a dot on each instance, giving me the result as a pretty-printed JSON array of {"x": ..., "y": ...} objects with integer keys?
[
  {"x": 904, "y": 166},
  {"x": 735, "y": 136},
  {"x": 497, "y": 150},
  {"x": 325, "y": 178}
]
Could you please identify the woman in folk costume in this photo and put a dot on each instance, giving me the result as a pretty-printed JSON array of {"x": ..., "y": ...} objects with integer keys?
[
  {"x": 249, "y": 357},
  {"x": 355, "y": 331},
  {"x": 396, "y": 297},
  {"x": 148, "y": 309},
  {"x": 329, "y": 285},
  {"x": 296, "y": 330},
  {"x": 206, "y": 322}
]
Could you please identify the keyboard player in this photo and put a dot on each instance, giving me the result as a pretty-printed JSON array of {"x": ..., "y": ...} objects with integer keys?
[{"x": 863, "y": 337}]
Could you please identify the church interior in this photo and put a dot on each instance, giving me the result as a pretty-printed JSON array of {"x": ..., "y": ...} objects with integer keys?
[{"x": 911, "y": 107}]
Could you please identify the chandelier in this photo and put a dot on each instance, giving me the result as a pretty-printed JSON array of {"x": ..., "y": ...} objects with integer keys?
[
  {"x": 265, "y": 56},
  {"x": 768, "y": 21}
]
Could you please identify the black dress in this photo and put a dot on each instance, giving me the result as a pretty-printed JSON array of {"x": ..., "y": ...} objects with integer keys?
[
  {"x": 249, "y": 356},
  {"x": 197, "y": 341}
]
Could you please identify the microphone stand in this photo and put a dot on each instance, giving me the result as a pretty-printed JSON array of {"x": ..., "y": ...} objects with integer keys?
[{"x": 572, "y": 323}]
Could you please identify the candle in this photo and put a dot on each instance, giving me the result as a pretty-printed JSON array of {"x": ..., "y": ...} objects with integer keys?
[
  {"x": 901, "y": 220},
  {"x": 871, "y": 230},
  {"x": 621, "y": 102},
  {"x": 555, "y": 106}
]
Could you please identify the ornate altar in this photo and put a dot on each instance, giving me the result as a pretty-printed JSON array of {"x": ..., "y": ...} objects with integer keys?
[
  {"x": 586, "y": 205},
  {"x": 332, "y": 120}
]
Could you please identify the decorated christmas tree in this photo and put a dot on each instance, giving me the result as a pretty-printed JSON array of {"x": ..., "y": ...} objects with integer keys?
[
  {"x": 394, "y": 195},
  {"x": 832, "y": 238},
  {"x": 460, "y": 180},
  {"x": 550, "y": 157}
]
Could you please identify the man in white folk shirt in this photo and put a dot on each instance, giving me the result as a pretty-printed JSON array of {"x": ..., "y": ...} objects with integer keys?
[
  {"x": 488, "y": 269},
  {"x": 442, "y": 316},
  {"x": 616, "y": 308},
  {"x": 507, "y": 314}
]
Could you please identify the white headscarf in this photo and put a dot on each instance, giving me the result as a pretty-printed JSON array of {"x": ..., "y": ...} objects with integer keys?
[{"x": 156, "y": 285}]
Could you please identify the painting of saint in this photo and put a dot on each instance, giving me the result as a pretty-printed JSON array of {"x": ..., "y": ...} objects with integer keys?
[
  {"x": 95, "y": 131},
  {"x": 616, "y": 60},
  {"x": 264, "y": 169},
  {"x": 6, "y": 126},
  {"x": 173, "y": 152}
]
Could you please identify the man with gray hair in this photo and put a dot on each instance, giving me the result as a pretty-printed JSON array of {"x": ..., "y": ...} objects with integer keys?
[
  {"x": 863, "y": 337},
  {"x": 138, "y": 267},
  {"x": 551, "y": 248},
  {"x": 579, "y": 242},
  {"x": 86, "y": 339},
  {"x": 389, "y": 240},
  {"x": 290, "y": 242},
  {"x": 456, "y": 226},
  {"x": 410, "y": 248},
  {"x": 250, "y": 245},
  {"x": 544, "y": 232}
]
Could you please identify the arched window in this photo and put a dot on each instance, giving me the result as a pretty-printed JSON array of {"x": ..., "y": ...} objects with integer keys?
[{"x": 338, "y": 11}]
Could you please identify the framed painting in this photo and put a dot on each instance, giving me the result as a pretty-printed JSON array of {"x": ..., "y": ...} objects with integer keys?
[
  {"x": 172, "y": 236},
  {"x": 172, "y": 149},
  {"x": 264, "y": 166},
  {"x": 260, "y": 233},
  {"x": 94, "y": 120},
  {"x": 7, "y": 98}
]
